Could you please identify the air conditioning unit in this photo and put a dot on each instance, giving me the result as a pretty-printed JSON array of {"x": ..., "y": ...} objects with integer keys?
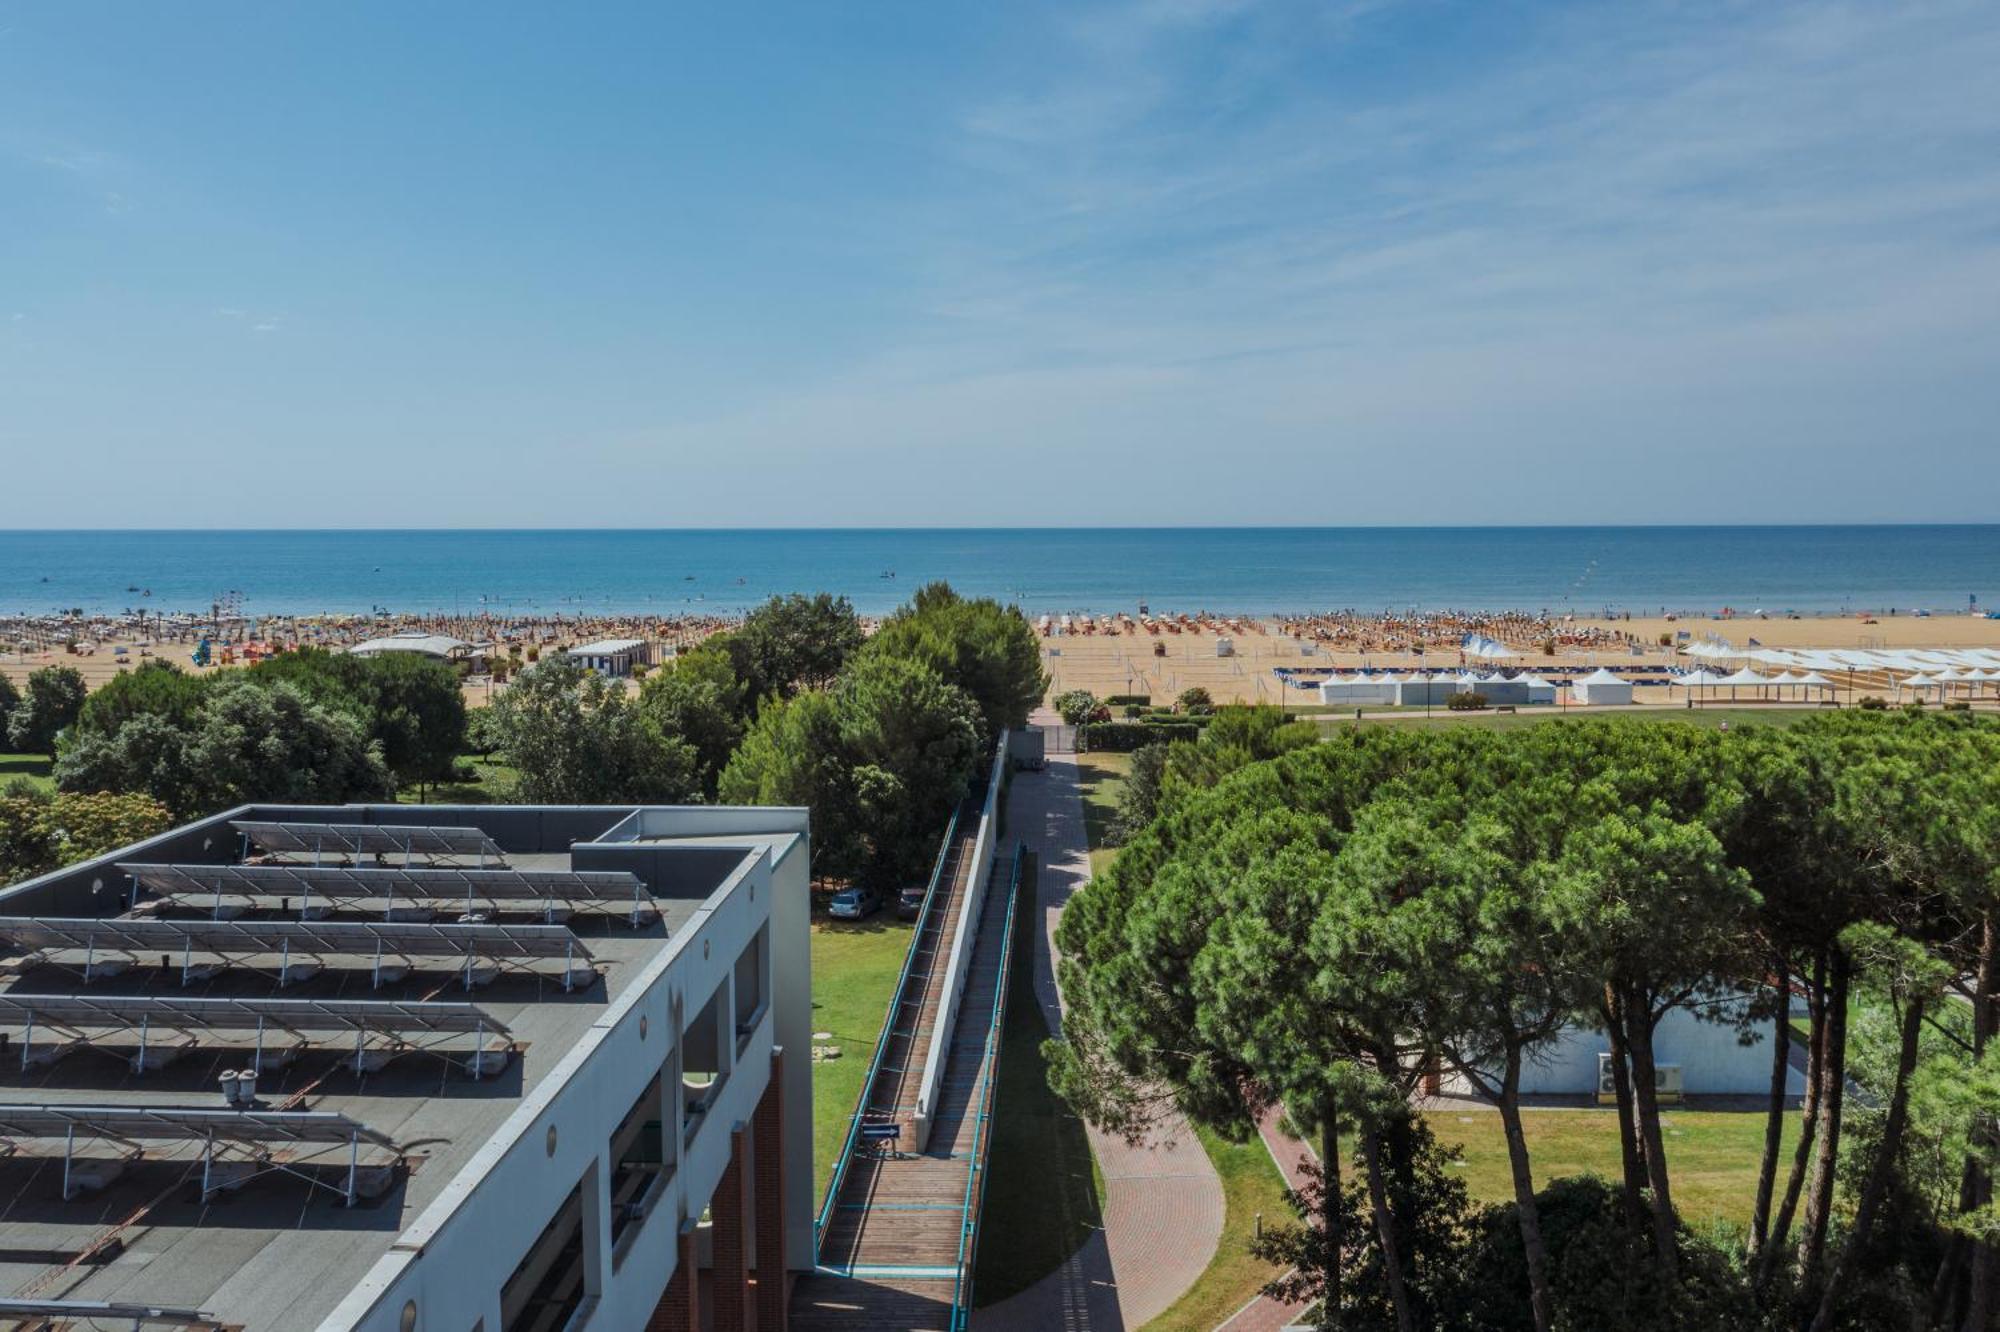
[{"x": 1667, "y": 1085}]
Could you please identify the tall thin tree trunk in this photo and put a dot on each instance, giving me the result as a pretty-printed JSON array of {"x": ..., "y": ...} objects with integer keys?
[
  {"x": 1826, "y": 1153},
  {"x": 1979, "y": 1291},
  {"x": 1880, "y": 1171},
  {"x": 1331, "y": 1207},
  {"x": 1525, "y": 1207},
  {"x": 1774, "y": 1111},
  {"x": 1646, "y": 1101},
  {"x": 1621, "y": 1086},
  {"x": 1781, "y": 1228},
  {"x": 1385, "y": 1229}
]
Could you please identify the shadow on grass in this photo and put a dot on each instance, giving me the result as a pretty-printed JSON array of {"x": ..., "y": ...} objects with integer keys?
[
  {"x": 1043, "y": 1198},
  {"x": 35, "y": 767}
]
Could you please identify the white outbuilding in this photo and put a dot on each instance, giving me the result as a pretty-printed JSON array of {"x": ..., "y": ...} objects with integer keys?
[
  {"x": 1601, "y": 687},
  {"x": 1350, "y": 690}
]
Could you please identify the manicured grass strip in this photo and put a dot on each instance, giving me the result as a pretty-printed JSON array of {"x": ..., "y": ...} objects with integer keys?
[
  {"x": 854, "y": 971},
  {"x": 1712, "y": 1155},
  {"x": 1044, "y": 1197},
  {"x": 1250, "y": 1185},
  {"x": 34, "y": 768},
  {"x": 1098, "y": 778},
  {"x": 493, "y": 784}
]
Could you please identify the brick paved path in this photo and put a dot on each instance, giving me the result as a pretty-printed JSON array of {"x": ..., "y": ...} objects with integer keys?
[
  {"x": 1162, "y": 1200},
  {"x": 1265, "y": 1314}
]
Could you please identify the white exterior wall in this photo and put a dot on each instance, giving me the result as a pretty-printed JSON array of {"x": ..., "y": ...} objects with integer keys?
[
  {"x": 454, "y": 1259},
  {"x": 1357, "y": 691},
  {"x": 1712, "y": 1059}
]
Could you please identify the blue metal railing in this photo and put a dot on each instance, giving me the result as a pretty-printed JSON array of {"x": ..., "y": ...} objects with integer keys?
[
  {"x": 968, "y": 1232},
  {"x": 888, "y": 1025}
]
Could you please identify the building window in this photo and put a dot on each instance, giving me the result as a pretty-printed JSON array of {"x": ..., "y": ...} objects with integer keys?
[
  {"x": 547, "y": 1286},
  {"x": 641, "y": 1163}
]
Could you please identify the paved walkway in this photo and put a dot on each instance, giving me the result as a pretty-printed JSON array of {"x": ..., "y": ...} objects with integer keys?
[
  {"x": 1265, "y": 1314},
  {"x": 1162, "y": 1200}
]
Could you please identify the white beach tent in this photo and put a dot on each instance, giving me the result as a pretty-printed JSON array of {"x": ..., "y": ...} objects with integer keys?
[
  {"x": 1352, "y": 689},
  {"x": 1743, "y": 679},
  {"x": 1813, "y": 680},
  {"x": 1601, "y": 687},
  {"x": 1544, "y": 691}
]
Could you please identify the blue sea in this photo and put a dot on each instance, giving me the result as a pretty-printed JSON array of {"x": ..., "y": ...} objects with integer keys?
[{"x": 1238, "y": 570}]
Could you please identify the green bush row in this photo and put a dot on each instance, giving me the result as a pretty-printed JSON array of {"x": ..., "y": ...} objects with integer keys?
[{"x": 1124, "y": 737}]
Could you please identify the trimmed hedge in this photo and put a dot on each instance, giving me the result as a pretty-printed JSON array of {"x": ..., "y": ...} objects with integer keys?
[
  {"x": 1121, "y": 700},
  {"x": 1124, "y": 737}
]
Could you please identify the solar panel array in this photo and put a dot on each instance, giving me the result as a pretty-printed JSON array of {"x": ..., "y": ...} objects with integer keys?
[
  {"x": 437, "y": 884},
  {"x": 367, "y": 839},
  {"x": 254, "y": 937},
  {"x": 382, "y": 1016},
  {"x": 185, "y": 1123}
]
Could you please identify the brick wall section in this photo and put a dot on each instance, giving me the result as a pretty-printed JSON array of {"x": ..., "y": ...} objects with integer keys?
[
  {"x": 679, "y": 1309},
  {"x": 730, "y": 1211},
  {"x": 767, "y": 1128}
]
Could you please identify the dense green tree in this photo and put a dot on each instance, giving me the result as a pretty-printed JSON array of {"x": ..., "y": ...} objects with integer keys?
[
  {"x": 411, "y": 706},
  {"x": 1139, "y": 794},
  {"x": 48, "y": 706},
  {"x": 158, "y": 688},
  {"x": 913, "y": 741},
  {"x": 697, "y": 699},
  {"x": 10, "y": 698},
  {"x": 792, "y": 643},
  {"x": 575, "y": 738},
  {"x": 793, "y": 754},
  {"x": 415, "y": 710},
  {"x": 986, "y": 649}
]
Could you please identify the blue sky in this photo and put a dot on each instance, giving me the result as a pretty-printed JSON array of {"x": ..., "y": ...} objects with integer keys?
[{"x": 1208, "y": 261}]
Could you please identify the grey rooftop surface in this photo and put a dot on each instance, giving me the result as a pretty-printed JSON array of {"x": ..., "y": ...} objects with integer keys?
[{"x": 278, "y": 1252}]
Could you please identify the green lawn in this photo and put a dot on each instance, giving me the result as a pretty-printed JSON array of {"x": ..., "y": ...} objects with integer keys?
[
  {"x": 1099, "y": 777},
  {"x": 493, "y": 785},
  {"x": 1251, "y": 1186},
  {"x": 35, "y": 768},
  {"x": 854, "y": 967},
  {"x": 1712, "y": 1155},
  {"x": 1045, "y": 1195}
]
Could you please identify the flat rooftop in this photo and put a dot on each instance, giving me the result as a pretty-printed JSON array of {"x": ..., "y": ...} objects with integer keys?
[{"x": 280, "y": 1251}]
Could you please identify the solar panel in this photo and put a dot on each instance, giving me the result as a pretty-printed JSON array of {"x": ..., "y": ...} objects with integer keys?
[
  {"x": 385, "y": 1016},
  {"x": 188, "y": 1124},
  {"x": 356, "y": 839},
  {"x": 439, "y": 884},
  {"x": 353, "y": 939},
  {"x": 89, "y": 1312}
]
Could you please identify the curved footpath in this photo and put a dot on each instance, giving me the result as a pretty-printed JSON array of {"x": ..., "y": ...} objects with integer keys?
[{"x": 1162, "y": 1200}]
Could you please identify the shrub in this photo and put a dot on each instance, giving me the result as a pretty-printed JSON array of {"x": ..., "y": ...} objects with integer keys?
[
  {"x": 1130, "y": 700},
  {"x": 1124, "y": 737},
  {"x": 1873, "y": 704},
  {"x": 1076, "y": 707},
  {"x": 1466, "y": 702},
  {"x": 1194, "y": 700}
]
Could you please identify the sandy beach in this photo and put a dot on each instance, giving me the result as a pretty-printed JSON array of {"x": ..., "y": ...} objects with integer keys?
[
  {"x": 1165, "y": 665},
  {"x": 1130, "y": 660}
]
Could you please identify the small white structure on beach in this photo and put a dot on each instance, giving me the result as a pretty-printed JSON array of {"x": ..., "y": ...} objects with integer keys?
[
  {"x": 1539, "y": 690},
  {"x": 1601, "y": 687},
  {"x": 439, "y": 647},
  {"x": 613, "y": 657},
  {"x": 1353, "y": 689},
  {"x": 1428, "y": 690}
]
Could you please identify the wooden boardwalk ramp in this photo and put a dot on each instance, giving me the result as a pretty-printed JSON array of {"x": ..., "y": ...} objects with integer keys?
[{"x": 898, "y": 1233}]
